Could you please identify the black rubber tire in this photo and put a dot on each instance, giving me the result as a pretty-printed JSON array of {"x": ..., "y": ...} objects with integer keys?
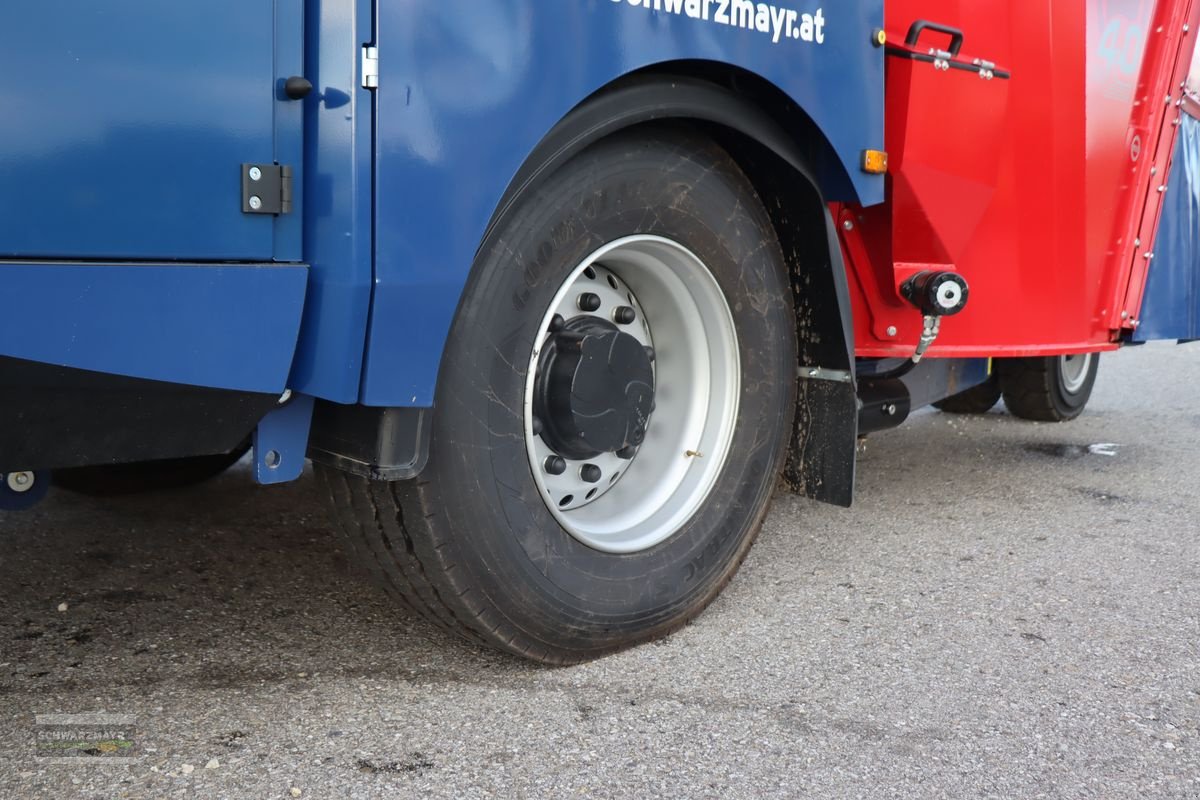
[
  {"x": 470, "y": 544},
  {"x": 115, "y": 480},
  {"x": 976, "y": 400},
  {"x": 1033, "y": 388}
]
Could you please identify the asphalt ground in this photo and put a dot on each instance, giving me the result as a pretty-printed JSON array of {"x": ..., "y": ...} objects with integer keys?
[{"x": 1004, "y": 613}]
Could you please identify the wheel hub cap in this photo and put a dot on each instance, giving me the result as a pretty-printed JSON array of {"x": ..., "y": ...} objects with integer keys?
[{"x": 595, "y": 389}]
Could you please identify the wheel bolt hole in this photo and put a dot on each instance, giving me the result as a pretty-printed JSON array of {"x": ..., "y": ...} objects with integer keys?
[
  {"x": 588, "y": 301},
  {"x": 566, "y": 501},
  {"x": 612, "y": 282},
  {"x": 614, "y": 477},
  {"x": 592, "y": 493}
]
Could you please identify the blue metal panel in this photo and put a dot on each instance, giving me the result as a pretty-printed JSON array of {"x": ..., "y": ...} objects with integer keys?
[
  {"x": 125, "y": 125},
  {"x": 225, "y": 326},
  {"x": 468, "y": 88},
  {"x": 337, "y": 218},
  {"x": 1171, "y": 303}
]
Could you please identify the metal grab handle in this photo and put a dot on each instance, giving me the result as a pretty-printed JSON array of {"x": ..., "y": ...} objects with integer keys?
[{"x": 921, "y": 25}]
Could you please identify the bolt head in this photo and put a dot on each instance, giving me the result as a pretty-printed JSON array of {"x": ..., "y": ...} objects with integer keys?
[
  {"x": 255, "y": 173},
  {"x": 255, "y": 202},
  {"x": 891, "y": 330},
  {"x": 556, "y": 465},
  {"x": 624, "y": 315},
  {"x": 848, "y": 225}
]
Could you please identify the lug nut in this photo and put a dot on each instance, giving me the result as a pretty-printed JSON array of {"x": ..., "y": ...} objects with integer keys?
[
  {"x": 556, "y": 323},
  {"x": 624, "y": 315},
  {"x": 650, "y": 353},
  {"x": 590, "y": 473},
  {"x": 588, "y": 301},
  {"x": 537, "y": 426},
  {"x": 556, "y": 465},
  {"x": 627, "y": 452}
]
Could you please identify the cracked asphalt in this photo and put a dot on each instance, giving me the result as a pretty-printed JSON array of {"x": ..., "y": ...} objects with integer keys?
[{"x": 1005, "y": 613}]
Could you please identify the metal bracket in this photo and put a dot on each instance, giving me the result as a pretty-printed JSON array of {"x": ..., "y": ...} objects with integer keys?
[
  {"x": 266, "y": 189},
  {"x": 281, "y": 440},
  {"x": 822, "y": 374},
  {"x": 370, "y": 67}
]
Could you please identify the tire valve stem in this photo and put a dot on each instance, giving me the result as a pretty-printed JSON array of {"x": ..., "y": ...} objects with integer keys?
[{"x": 693, "y": 454}]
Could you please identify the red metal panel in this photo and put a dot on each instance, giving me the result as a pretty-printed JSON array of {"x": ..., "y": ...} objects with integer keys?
[
  {"x": 1159, "y": 100},
  {"x": 1034, "y": 188}
]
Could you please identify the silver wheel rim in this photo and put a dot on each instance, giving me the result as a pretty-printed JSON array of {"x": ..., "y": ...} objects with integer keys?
[
  {"x": 20, "y": 482},
  {"x": 1074, "y": 370},
  {"x": 639, "y": 502}
]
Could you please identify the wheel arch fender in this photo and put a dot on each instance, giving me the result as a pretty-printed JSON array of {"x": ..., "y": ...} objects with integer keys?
[{"x": 708, "y": 94}]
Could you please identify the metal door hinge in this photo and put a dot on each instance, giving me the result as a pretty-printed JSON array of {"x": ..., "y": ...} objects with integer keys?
[
  {"x": 266, "y": 189},
  {"x": 370, "y": 67}
]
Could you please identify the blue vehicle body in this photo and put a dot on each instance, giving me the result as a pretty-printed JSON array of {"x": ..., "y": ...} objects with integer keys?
[
  {"x": 132, "y": 123},
  {"x": 467, "y": 90}
]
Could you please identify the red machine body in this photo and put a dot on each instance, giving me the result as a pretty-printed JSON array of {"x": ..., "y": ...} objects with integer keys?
[{"x": 1029, "y": 161}]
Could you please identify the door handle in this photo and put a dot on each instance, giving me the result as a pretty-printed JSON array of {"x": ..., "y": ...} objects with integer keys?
[{"x": 297, "y": 87}]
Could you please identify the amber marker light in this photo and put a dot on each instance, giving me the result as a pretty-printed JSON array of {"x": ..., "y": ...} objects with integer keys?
[{"x": 874, "y": 162}]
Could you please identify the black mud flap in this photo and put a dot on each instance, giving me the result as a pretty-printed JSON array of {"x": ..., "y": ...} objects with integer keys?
[{"x": 821, "y": 459}]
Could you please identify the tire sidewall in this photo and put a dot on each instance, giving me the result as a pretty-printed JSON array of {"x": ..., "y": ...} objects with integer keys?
[{"x": 503, "y": 531}]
